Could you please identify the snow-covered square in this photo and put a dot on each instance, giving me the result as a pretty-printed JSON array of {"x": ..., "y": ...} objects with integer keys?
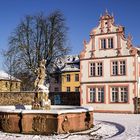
[{"x": 107, "y": 126}]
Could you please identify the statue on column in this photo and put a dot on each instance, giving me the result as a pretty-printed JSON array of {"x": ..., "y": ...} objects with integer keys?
[
  {"x": 41, "y": 100},
  {"x": 41, "y": 74}
]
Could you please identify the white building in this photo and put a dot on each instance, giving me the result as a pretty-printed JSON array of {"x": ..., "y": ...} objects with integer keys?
[{"x": 109, "y": 69}]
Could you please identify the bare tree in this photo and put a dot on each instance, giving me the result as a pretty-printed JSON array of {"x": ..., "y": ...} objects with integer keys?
[
  {"x": 10, "y": 69},
  {"x": 35, "y": 38}
]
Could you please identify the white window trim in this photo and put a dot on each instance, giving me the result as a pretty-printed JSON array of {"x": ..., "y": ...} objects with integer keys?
[
  {"x": 96, "y": 70},
  {"x": 119, "y": 95},
  {"x": 107, "y": 43},
  {"x": 120, "y": 72},
  {"x": 97, "y": 92}
]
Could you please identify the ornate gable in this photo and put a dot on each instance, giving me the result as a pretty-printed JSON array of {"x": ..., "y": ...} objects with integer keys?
[
  {"x": 106, "y": 25},
  {"x": 108, "y": 40}
]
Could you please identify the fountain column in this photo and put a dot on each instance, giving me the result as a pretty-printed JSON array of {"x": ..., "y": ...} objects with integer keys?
[{"x": 41, "y": 100}]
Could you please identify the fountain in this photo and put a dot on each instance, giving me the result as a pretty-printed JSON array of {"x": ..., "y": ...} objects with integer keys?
[
  {"x": 41, "y": 100},
  {"x": 43, "y": 118}
]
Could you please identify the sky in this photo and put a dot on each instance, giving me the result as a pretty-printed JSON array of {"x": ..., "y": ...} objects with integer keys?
[{"x": 81, "y": 17}]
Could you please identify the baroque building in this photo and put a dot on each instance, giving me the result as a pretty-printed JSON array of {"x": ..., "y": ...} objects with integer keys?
[
  {"x": 109, "y": 69},
  {"x": 9, "y": 83}
]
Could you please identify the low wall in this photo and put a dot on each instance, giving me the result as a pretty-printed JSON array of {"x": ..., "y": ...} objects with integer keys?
[
  {"x": 14, "y": 98},
  {"x": 65, "y": 98},
  {"x": 137, "y": 105},
  {"x": 26, "y": 98}
]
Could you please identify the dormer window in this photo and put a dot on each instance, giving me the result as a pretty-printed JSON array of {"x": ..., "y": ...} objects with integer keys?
[
  {"x": 73, "y": 59},
  {"x": 106, "y": 43},
  {"x": 72, "y": 66}
]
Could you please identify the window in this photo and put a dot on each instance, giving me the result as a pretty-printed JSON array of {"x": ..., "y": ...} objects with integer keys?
[
  {"x": 124, "y": 94},
  {"x": 115, "y": 94},
  {"x": 16, "y": 85},
  {"x": 76, "y": 77},
  {"x": 122, "y": 68},
  {"x": 96, "y": 69},
  {"x": 11, "y": 84},
  {"x": 56, "y": 77},
  {"x": 68, "y": 89},
  {"x": 110, "y": 43},
  {"x": 99, "y": 67},
  {"x": 119, "y": 94},
  {"x": 68, "y": 77},
  {"x": 119, "y": 67},
  {"x": 92, "y": 95},
  {"x": 92, "y": 69},
  {"x": 76, "y": 89},
  {"x": 106, "y": 43},
  {"x": 96, "y": 95},
  {"x": 101, "y": 95},
  {"x": 72, "y": 65},
  {"x": 115, "y": 67},
  {"x": 6, "y": 84},
  {"x": 103, "y": 43},
  {"x": 56, "y": 89}
]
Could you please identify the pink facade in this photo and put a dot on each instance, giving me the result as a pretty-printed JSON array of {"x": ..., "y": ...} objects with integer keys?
[{"x": 109, "y": 69}]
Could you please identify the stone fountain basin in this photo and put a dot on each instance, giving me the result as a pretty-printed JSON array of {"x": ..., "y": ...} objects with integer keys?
[{"x": 60, "y": 119}]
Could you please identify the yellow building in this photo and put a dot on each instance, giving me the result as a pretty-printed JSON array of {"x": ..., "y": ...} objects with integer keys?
[
  {"x": 9, "y": 83},
  {"x": 70, "y": 81},
  {"x": 66, "y": 77}
]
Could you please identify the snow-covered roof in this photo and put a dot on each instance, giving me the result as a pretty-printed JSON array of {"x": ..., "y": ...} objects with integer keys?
[
  {"x": 67, "y": 59},
  {"x": 71, "y": 67},
  {"x": 71, "y": 58},
  {"x": 6, "y": 76},
  {"x": 67, "y": 63}
]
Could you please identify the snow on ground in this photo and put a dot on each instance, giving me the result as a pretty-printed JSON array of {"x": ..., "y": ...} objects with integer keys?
[
  {"x": 107, "y": 126},
  {"x": 130, "y": 122}
]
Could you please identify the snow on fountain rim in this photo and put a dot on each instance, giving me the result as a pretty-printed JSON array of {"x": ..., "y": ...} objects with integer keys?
[{"x": 55, "y": 109}]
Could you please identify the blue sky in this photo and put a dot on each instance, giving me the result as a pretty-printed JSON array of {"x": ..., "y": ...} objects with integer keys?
[{"x": 81, "y": 16}]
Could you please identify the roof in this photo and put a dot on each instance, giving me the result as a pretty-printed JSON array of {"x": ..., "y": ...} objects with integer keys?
[
  {"x": 71, "y": 58},
  {"x": 71, "y": 67},
  {"x": 67, "y": 63},
  {"x": 6, "y": 76}
]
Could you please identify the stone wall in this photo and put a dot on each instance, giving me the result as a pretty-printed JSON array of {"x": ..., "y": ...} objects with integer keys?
[
  {"x": 137, "y": 105},
  {"x": 26, "y": 98},
  {"x": 15, "y": 98}
]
